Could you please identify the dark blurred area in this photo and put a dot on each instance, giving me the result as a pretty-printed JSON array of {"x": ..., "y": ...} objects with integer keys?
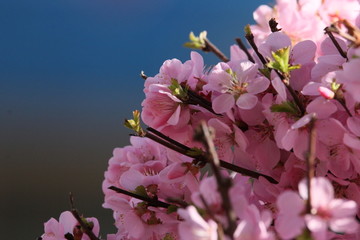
[{"x": 69, "y": 75}]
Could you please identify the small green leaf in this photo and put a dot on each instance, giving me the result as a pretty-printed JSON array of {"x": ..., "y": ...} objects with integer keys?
[
  {"x": 266, "y": 72},
  {"x": 172, "y": 209},
  {"x": 286, "y": 107},
  {"x": 281, "y": 61},
  {"x": 306, "y": 235},
  {"x": 247, "y": 30},
  {"x": 134, "y": 124},
  {"x": 335, "y": 86},
  {"x": 141, "y": 191},
  {"x": 169, "y": 236},
  {"x": 195, "y": 152},
  {"x": 196, "y": 42},
  {"x": 178, "y": 91}
]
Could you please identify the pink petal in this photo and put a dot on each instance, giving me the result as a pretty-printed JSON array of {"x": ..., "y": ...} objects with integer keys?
[
  {"x": 311, "y": 89},
  {"x": 246, "y": 101},
  {"x": 289, "y": 139},
  {"x": 223, "y": 103},
  {"x": 279, "y": 87},
  {"x": 322, "y": 192},
  {"x": 341, "y": 208},
  {"x": 258, "y": 85},
  {"x": 303, "y": 52},
  {"x": 353, "y": 124},
  {"x": 351, "y": 141},
  {"x": 303, "y": 121},
  {"x": 290, "y": 203},
  {"x": 236, "y": 54},
  {"x": 322, "y": 107},
  {"x": 317, "y": 225},
  {"x": 68, "y": 221},
  {"x": 344, "y": 225},
  {"x": 131, "y": 179},
  {"x": 330, "y": 131},
  {"x": 134, "y": 225},
  {"x": 174, "y": 119}
]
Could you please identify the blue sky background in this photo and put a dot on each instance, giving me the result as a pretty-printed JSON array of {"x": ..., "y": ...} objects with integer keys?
[{"x": 69, "y": 75}]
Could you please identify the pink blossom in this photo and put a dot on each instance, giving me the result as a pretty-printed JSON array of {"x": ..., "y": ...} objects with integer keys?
[
  {"x": 194, "y": 227},
  {"x": 327, "y": 211},
  {"x": 254, "y": 225},
  {"x": 161, "y": 108},
  {"x": 236, "y": 85},
  {"x": 67, "y": 224}
]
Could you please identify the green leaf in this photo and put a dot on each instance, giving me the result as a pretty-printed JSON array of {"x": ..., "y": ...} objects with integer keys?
[
  {"x": 178, "y": 91},
  {"x": 266, "y": 72},
  {"x": 169, "y": 236},
  {"x": 247, "y": 30},
  {"x": 141, "y": 191},
  {"x": 281, "y": 61},
  {"x": 134, "y": 124},
  {"x": 196, "y": 42},
  {"x": 195, "y": 152},
  {"x": 286, "y": 107},
  {"x": 172, "y": 209}
]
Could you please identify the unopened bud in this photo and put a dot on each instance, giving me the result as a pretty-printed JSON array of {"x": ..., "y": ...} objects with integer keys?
[{"x": 326, "y": 93}]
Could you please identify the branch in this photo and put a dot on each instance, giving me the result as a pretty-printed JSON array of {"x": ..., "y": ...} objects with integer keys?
[
  {"x": 224, "y": 183},
  {"x": 242, "y": 47},
  {"x": 84, "y": 226},
  {"x": 336, "y": 44},
  {"x": 310, "y": 161},
  {"x": 210, "y": 47},
  {"x": 185, "y": 150},
  {"x": 149, "y": 201},
  {"x": 143, "y": 75},
  {"x": 251, "y": 40}
]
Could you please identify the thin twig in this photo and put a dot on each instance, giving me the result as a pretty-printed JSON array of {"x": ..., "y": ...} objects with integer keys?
[
  {"x": 224, "y": 183},
  {"x": 310, "y": 161},
  {"x": 210, "y": 47},
  {"x": 243, "y": 47},
  {"x": 185, "y": 150},
  {"x": 273, "y": 25},
  {"x": 143, "y": 76},
  {"x": 149, "y": 201},
  {"x": 195, "y": 99},
  {"x": 84, "y": 226},
  {"x": 336, "y": 44},
  {"x": 170, "y": 140},
  {"x": 250, "y": 38}
]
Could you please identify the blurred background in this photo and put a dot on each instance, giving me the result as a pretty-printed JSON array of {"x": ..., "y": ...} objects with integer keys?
[{"x": 69, "y": 75}]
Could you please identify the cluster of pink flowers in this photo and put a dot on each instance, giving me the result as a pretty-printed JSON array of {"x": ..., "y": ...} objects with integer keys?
[{"x": 266, "y": 117}]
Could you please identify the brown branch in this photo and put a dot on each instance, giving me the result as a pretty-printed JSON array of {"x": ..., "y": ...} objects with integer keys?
[
  {"x": 273, "y": 25},
  {"x": 310, "y": 161},
  {"x": 143, "y": 76},
  {"x": 149, "y": 201},
  {"x": 84, "y": 226},
  {"x": 224, "y": 183},
  {"x": 210, "y": 47},
  {"x": 251, "y": 40},
  {"x": 336, "y": 44},
  {"x": 185, "y": 150},
  {"x": 243, "y": 47}
]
